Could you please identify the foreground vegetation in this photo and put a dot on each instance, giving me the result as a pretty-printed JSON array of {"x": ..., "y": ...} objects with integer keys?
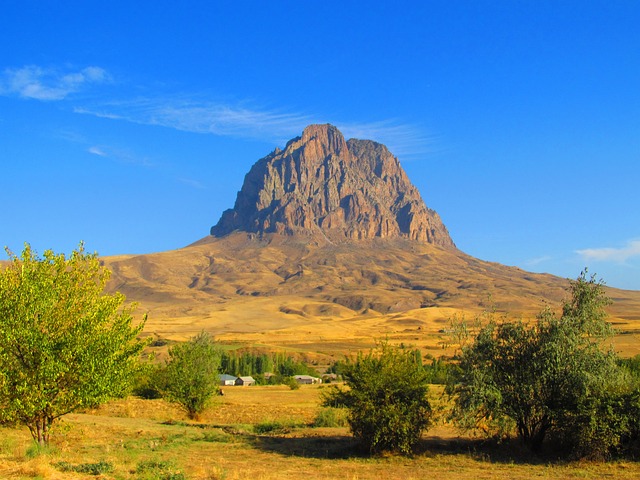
[
  {"x": 67, "y": 347},
  {"x": 264, "y": 432},
  {"x": 557, "y": 378}
]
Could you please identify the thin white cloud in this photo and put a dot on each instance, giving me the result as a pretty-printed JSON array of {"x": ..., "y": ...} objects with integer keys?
[
  {"x": 197, "y": 114},
  {"x": 120, "y": 155},
  {"x": 203, "y": 117},
  {"x": 261, "y": 124},
  {"x": 39, "y": 83},
  {"x": 538, "y": 260},
  {"x": 191, "y": 183},
  {"x": 401, "y": 139},
  {"x": 97, "y": 151},
  {"x": 610, "y": 254}
]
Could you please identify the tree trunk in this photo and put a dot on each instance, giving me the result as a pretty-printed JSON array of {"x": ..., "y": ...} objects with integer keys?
[{"x": 40, "y": 430}]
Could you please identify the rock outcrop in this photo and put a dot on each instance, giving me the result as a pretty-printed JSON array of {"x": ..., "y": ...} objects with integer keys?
[{"x": 321, "y": 184}]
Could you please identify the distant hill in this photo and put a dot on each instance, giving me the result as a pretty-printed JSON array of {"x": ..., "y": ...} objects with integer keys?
[{"x": 329, "y": 247}]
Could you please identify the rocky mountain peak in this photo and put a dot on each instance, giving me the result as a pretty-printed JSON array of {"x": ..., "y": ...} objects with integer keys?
[
  {"x": 322, "y": 185},
  {"x": 323, "y": 140}
]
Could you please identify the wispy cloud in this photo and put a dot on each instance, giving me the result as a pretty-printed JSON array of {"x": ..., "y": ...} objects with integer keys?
[
  {"x": 250, "y": 122},
  {"x": 122, "y": 155},
  {"x": 192, "y": 183},
  {"x": 402, "y": 139},
  {"x": 48, "y": 84},
  {"x": 204, "y": 117},
  {"x": 198, "y": 113},
  {"x": 611, "y": 254},
  {"x": 538, "y": 260},
  {"x": 97, "y": 151}
]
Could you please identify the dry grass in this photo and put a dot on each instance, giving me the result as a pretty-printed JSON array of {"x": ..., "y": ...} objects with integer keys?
[
  {"x": 131, "y": 433},
  {"x": 330, "y": 300}
]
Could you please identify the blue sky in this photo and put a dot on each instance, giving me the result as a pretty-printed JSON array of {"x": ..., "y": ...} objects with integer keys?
[{"x": 131, "y": 125}]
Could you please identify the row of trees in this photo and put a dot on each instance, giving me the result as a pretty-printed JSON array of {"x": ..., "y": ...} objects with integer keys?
[{"x": 257, "y": 364}]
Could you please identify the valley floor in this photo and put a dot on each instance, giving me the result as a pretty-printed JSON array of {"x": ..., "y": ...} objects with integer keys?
[{"x": 149, "y": 439}]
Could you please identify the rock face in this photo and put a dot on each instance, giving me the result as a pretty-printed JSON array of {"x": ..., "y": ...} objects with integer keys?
[{"x": 321, "y": 184}]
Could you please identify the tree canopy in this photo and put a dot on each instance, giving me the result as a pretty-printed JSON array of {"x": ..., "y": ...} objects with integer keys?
[
  {"x": 64, "y": 343},
  {"x": 190, "y": 376}
]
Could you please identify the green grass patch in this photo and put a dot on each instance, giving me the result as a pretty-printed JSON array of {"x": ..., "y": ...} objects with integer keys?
[
  {"x": 276, "y": 427},
  {"x": 98, "y": 468},
  {"x": 216, "y": 436},
  {"x": 158, "y": 470},
  {"x": 36, "y": 450}
]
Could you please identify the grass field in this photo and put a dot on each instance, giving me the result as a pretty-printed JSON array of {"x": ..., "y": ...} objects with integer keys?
[{"x": 150, "y": 439}]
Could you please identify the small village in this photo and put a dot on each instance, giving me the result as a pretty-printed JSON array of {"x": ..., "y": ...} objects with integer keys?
[{"x": 227, "y": 380}]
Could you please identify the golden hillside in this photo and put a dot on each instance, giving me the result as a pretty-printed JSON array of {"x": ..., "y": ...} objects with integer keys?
[{"x": 282, "y": 292}]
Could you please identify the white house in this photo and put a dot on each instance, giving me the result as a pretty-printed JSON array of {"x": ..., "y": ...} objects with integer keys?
[{"x": 227, "y": 380}]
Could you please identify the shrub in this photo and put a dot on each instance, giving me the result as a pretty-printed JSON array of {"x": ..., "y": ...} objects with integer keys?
[
  {"x": 331, "y": 417},
  {"x": 386, "y": 400},
  {"x": 291, "y": 383},
  {"x": 145, "y": 382}
]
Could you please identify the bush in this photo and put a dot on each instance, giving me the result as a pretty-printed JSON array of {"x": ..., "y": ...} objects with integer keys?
[
  {"x": 291, "y": 383},
  {"x": 331, "y": 417},
  {"x": 386, "y": 400},
  {"x": 145, "y": 382}
]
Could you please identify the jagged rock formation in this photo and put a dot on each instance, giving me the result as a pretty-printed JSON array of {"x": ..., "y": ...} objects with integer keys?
[{"x": 321, "y": 184}]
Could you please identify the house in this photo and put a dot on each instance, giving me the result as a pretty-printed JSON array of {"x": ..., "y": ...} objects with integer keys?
[
  {"x": 245, "y": 381},
  {"x": 306, "y": 379},
  {"x": 226, "y": 380}
]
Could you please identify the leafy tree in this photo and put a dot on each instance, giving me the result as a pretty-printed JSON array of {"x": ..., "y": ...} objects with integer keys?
[
  {"x": 386, "y": 399},
  {"x": 542, "y": 377},
  {"x": 64, "y": 344},
  {"x": 190, "y": 377}
]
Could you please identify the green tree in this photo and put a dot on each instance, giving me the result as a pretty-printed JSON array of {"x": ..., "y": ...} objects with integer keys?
[
  {"x": 540, "y": 377},
  {"x": 64, "y": 343},
  {"x": 386, "y": 399},
  {"x": 190, "y": 376}
]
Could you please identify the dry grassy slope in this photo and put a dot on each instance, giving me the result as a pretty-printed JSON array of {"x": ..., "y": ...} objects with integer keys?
[{"x": 319, "y": 297}]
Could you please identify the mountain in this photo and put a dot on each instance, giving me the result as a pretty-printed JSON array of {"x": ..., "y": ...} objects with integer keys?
[
  {"x": 329, "y": 247},
  {"x": 322, "y": 185}
]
